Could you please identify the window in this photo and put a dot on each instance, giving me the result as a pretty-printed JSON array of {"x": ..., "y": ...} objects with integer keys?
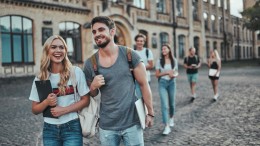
[
  {"x": 258, "y": 36},
  {"x": 205, "y": 15},
  {"x": 207, "y": 49},
  {"x": 164, "y": 38},
  {"x": 212, "y": 2},
  {"x": 219, "y": 3},
  {"x": 196, "y": 41},
  {"x": 180, "y": 8},
  {"x": 181, "y": 39},
  {"x": 71, "y": 33},
  {"x": 225, "y": 4},
  {"x": 161, "y": 6},
  {"x": 139, "y": 3},
  {"x": 195, "y": 9},
  {"x": 215, "y": 45},
  {"x": 220, "y": 24},
  {"x": 16, "y": 33},
  {"x": 213, "y": 23}
]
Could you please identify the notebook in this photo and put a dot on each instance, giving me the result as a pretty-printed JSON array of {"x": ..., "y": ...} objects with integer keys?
[
  {"x": 141, "y": 110},
  {"x": 44, "y": 89}
]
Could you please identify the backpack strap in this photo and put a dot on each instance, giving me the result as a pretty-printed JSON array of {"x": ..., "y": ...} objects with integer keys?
[
  {"x": 147, "y": 52},
  {"x": 94, "y": 63},
  {"x": 129, "y": 59}
]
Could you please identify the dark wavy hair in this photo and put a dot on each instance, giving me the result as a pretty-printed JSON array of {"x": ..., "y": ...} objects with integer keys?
[
  {"x": 105, "y": 20},
  {"x": 162, "y": 60}
]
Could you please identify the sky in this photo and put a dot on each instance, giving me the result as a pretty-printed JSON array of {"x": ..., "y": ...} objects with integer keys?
[{"x": 235, "y": 7}]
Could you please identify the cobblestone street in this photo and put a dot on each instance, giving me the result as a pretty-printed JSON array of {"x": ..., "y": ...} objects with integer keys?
[{"x": 234, "y": 120}]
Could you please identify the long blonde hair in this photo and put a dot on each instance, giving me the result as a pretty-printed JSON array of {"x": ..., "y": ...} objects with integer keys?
[
  {"x": 45, "y": 66},
  {"x": 216, "y": 54}
]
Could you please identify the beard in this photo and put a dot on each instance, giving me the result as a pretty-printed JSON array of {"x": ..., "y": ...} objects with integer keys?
[{"x": 104, "y": 44}]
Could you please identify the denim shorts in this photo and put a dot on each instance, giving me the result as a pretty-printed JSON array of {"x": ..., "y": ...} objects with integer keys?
[
  {"x": 192, "y": 77},
  {"x": 132, "y": 136},
  {"x": 67, "y": 134}
]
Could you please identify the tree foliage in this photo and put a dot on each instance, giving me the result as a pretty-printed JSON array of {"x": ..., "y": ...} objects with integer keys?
[{"x": 252, "y": 17}]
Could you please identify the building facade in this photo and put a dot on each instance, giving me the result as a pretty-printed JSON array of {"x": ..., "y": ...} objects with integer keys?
[{"x": 25, "y": 25}]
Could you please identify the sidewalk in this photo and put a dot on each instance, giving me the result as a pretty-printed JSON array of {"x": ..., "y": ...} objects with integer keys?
[{"x": 232, "y": 120}]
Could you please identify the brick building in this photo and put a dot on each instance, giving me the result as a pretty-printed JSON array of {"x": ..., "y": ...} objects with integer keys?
[{"x": 26, "y": 24}]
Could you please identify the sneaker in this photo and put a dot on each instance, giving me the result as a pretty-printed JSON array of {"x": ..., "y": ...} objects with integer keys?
[
  {"x": 216, "y": 97},
  {"x": 193, "y": 97},
  {"x": 166, "y": 130},
  {"x": 171, "y": 122}
]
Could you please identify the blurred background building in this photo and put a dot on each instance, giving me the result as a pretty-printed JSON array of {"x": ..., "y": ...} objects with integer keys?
[{"x": 204, "y": 24}]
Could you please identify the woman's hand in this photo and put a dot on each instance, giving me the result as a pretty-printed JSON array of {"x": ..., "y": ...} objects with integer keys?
[
  {"x": 58, "y": 111},
  {"x": 51, "y": 99}
]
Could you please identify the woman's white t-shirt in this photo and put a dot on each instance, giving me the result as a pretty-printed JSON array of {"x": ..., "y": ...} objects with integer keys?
[{"x": 65, "y": 100}]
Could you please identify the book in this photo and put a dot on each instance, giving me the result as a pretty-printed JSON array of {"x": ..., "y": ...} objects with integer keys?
[
  {"x": 212, "y": 72},
  {"x": 44, "y": 89},
  {"x": 141, "y": 111}
]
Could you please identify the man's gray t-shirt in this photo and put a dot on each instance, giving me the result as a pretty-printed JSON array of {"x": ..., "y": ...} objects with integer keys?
[{"x": 117, "y": 109}]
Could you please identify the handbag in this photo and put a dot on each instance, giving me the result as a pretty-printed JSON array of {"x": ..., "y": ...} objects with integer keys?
[
  {"x": 88, "y": 116},
  {"x": 212, "y": 72}
]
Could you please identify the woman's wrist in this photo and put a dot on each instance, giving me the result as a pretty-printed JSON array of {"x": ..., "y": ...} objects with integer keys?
[{"x": 150, "y": 115}]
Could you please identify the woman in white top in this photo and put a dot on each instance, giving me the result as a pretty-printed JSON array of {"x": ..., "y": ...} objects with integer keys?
[
  {"x": 214, "y": 64},
  {"x": 62, "y": 128},
  {"x": 166, "y": 71}
]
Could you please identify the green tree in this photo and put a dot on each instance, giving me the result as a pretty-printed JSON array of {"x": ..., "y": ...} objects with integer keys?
[{"x": 252, "y": 17}]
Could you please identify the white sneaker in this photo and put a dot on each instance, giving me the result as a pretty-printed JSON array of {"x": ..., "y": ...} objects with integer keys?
[
  {"x": 171, "y": 122},
  {"x": 216, "y": 97},
  {"x": 166, "y": 130}
]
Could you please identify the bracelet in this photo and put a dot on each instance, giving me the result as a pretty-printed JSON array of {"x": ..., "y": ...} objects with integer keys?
[{"x": 150, "y": 115}]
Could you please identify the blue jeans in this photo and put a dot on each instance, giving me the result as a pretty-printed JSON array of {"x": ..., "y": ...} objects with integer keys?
[
  {"x": 132, "y": 136},
  {"x": 67, "y": 134},
  {"x": 167, "y": 92}
]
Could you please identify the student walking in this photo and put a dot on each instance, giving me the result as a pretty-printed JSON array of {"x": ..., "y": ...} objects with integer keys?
[
  {"x": 192, "y": 64},
  {"x": 62, "y": 128},
  {"x": 118, "y": 117},
  {"x": 146, "y": 57},
  {"x": 214, "y": 64},
  {"x": 167, "y": 71}
]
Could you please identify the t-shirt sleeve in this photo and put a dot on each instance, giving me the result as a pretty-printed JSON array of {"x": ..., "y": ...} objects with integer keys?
[
  {"x": 158, "y": 65},
  {"x": 83, "y": 89},
  {"x": 150, "y": 55},
  {"x": 34, "y": 93},
  {"x": 136, "y": 59}
]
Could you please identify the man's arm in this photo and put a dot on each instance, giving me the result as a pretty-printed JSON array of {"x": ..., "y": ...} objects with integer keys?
[
  {"x": 150, "y": 64},
  {"x": 140, "y": 76}
]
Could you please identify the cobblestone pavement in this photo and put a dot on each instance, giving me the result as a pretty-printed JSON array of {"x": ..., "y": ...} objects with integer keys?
[{"x": 234, "y": 120}]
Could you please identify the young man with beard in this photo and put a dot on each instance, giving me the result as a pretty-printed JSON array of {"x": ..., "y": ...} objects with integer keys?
[{"x": 118, "y": 116}]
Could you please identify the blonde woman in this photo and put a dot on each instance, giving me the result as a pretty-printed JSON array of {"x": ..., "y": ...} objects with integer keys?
[
  {"x": 63, "y": 127},
  {"x": 214, "y": 64}
]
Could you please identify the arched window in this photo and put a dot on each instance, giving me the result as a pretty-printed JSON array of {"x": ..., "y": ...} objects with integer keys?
[
  {"x": 180, "y": 8},
  {"x": 17, "y": 39},
  {"x": 182, "y": 47},
  {"x": 161, "y": 6},
  {"x": 164, "y": 38},
  {"x": 214, "y": 45},
  {"x": 222, "y": 51},
  {"x": 71, "y": 33},
  {"x": 212, "y": 2},
  {"x": 220, "y": 23}
]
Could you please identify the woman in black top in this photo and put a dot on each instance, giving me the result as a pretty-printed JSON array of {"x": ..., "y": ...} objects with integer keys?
[{"x": 214, "y": 64}]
